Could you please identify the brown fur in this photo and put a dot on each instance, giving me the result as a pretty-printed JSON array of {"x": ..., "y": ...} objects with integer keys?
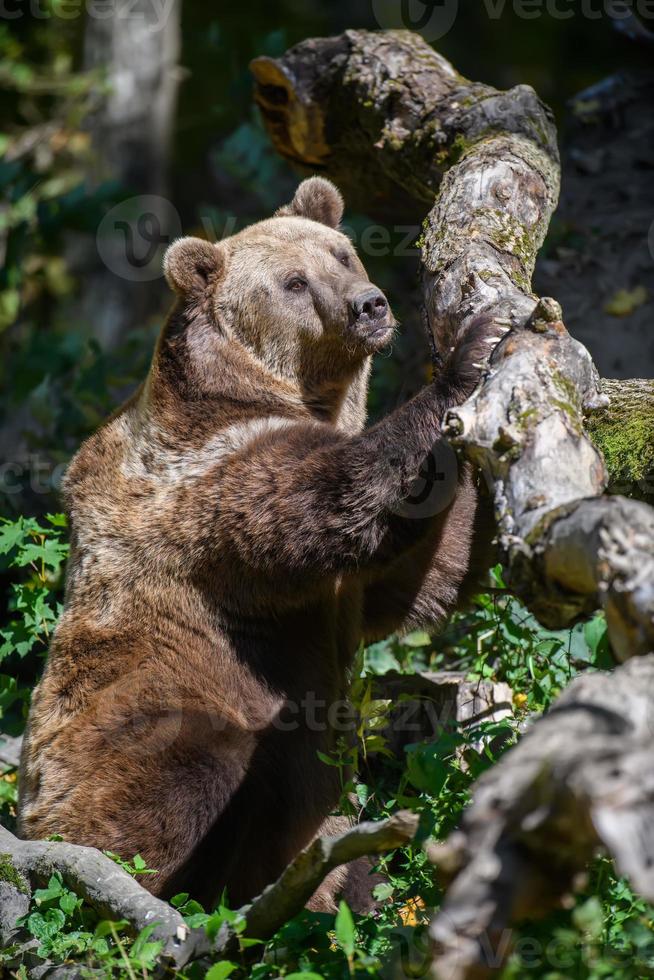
[{"x": 235, "y": 535}]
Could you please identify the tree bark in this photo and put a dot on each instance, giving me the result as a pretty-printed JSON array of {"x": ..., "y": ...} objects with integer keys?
[
  {"x": 386, "y": 112},
  {"x": 580, "y": 780},
  {"x": 135, "y": 50},
  {"x": 116, "y": 895}
]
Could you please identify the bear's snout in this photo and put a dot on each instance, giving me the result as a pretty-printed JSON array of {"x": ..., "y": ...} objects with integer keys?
[
  {"x": 371, "y": 321},
  {"x": 370, "y": 304}
]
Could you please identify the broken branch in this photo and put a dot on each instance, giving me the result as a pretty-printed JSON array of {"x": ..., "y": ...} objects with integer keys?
[
  {"x": 490, "y": 160},
  {"x": 114, "y": 894},
  {"x": 580, "y": 780}
]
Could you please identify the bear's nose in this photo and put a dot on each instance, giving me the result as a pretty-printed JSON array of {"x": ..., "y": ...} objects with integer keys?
[{"x": 371, "y": 303}]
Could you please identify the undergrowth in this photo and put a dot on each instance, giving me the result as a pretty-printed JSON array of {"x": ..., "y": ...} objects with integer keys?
[{"x": 606, "y": 931}]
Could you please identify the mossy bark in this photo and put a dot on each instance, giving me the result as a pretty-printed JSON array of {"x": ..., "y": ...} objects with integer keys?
[
  {"x": 393, "y": 122},
  {"x": 624, "y": 432},
  {"x": 15, "y": 894}
]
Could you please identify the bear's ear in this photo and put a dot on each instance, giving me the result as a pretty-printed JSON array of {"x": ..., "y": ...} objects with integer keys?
[
  {"x": 318, "y": 199},
  {"x": 191, "y": 265}
]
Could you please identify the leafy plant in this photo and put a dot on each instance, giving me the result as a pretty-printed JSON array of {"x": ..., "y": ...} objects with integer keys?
[
  {"x": 26, "y": 544},
  {"x": 608, "y": 932}
]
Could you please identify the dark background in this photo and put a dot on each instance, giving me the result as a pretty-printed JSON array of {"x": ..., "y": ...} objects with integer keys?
[{"x": 76, "y": 336}]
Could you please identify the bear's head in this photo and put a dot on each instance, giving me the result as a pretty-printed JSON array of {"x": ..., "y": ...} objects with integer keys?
[{"x": 291, "y": 289}]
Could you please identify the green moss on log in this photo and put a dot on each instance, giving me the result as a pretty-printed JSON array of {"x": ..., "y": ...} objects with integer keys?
[
  {"x": 628, "y": 447},
  {"x": 11, "y": 875},
  {"x": 625, "y": 434}
]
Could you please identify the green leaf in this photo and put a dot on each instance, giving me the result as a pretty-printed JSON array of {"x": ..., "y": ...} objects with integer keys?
[
  {"x": 11, "y": 535},
  {"x": 54, "y": 890},
  {"x": 178, "y": 900},
  {"x": 379, "y": 658},
  {"x": 196, "y": 919},
  {"x": 44, "y": 926},
  {"x": 418, "y": 638},
  {"x": 344, "y": 929},
  {"x": 51, "y": 552},
  {"x": 57, "y": 520},
  {"x": 142, "y": 950},
  {"x": 223, "y": 914},
  {"x": 106, "y": 927},
  {"x": 220, "y": 970},
  {"x": 69, "y": 902},
  {"x": 589, "y": 918},
  {"x": 597, "y": 638},
  {"x": 362, "y": 793}
]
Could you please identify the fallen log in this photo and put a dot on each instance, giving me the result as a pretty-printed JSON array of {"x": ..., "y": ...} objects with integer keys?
[
  {"x": 390, "y": 119},
  {"x": 580, "y": 780}
]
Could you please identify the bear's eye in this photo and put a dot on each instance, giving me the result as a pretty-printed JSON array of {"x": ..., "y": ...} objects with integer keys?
[
  {"x": 344, "y": 260},
  {"x": 296, "y": 284}
]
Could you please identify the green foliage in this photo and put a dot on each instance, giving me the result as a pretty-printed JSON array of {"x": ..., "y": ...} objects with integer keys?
[
  {"x": 344, "y": 932},
  {"x": 33, "y": 608},
  {"x": 33, "y": 553},
  {"x": 67, "y": 930},
  {"x": 41, "y": 165},
  {"x": 137, "y": 866},
  {"x": 608, "y": 932}
]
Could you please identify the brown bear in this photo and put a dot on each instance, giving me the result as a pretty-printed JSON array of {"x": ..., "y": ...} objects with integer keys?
[{"x": 236, "y": 534}]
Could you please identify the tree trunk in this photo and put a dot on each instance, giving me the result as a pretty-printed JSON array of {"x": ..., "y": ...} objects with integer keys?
[
  {"x": 387, "y": 114},
  {"x": 135, "y": 50}
]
